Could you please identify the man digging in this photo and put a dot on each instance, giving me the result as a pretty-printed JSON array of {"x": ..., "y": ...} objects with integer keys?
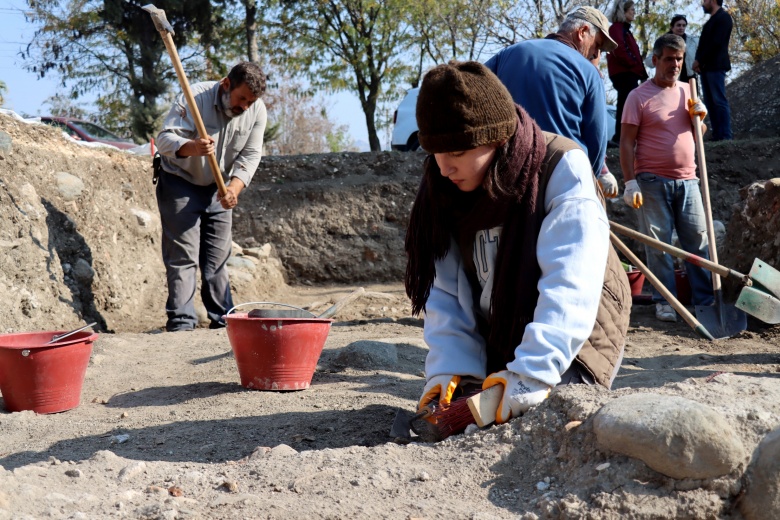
[{"x": 196, "y": 221}]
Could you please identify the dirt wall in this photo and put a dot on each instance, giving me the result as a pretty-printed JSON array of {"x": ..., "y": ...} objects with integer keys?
[{"x": 79, "y": 227}]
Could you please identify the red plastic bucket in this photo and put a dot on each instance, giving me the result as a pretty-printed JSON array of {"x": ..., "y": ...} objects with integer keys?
[
  {"x": 276, "y": 353},
  {"x": 683, "y": 286},
  {"x": 636, "y": 280},
  {"x": 43, "y": 378}
]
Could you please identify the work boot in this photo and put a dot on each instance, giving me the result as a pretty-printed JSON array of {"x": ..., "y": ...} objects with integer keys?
[{"x": 664, "y": 312}]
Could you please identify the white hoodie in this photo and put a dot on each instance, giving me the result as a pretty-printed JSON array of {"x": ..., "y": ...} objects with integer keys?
[{"x": 572, "y": 252}]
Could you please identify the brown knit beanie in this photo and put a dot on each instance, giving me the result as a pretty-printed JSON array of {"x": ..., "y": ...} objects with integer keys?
[{"x": 463, "y": 105}]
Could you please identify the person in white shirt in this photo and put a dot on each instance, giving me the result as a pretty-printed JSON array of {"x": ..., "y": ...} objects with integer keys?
[{"x": 508, "y": 250}]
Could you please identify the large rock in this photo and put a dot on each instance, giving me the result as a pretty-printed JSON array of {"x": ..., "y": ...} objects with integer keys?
[
  {"x": 69, "y": 186},
  {"x": 368, "y": 354},
  {"x": 762, "y": 490},
  {"x": 675, "y": 436},
  {"x": 6, "y": 143}
]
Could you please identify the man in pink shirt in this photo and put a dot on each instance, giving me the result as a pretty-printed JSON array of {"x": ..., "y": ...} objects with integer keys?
[{"x": 657, "y": 154}]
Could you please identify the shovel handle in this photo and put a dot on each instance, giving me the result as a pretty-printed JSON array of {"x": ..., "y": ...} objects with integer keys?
[
  {"x": 705, "y": 187},
  {"x": 661, "y": 288},
  {"x": 185, "y": 86},
  {"x": 679, "y": 253}
]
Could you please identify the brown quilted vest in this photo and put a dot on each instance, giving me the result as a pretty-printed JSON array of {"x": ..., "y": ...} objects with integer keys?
[{"x": 604, "y": 348}]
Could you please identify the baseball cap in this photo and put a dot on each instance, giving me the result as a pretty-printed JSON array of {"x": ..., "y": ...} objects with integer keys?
[{"x": 596, "y": 18}]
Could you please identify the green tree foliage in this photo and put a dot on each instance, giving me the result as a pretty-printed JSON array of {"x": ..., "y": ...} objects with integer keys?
[
  {"x": 356, "y": 45},
  {"x": 757, "y": 28},
  {"x": 3, "y": 89},
  {"x": 653, "y": 18},
  {"x": 111, "y": 47}
]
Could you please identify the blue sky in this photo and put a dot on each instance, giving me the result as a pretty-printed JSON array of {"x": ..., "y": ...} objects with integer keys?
[{"x": 24, "y": 93}]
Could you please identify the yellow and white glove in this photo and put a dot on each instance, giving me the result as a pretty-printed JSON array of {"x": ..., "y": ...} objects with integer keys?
[
  {"x": 632, "y": 195},
  {"x": 697, "y": 108},
  {"x": 520, "y": 393},
  {"x": 438, "y": 388},
  {"x": 608, "y": 183}
]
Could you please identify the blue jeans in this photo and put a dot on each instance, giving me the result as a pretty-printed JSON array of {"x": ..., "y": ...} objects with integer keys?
[
  {"x": 713, "y": 85},
  {"x": 673, "y": 204},
  {"x": 196, "y": 232}
]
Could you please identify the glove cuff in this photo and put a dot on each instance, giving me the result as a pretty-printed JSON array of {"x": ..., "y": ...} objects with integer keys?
[{"x": 632, "y": 184}]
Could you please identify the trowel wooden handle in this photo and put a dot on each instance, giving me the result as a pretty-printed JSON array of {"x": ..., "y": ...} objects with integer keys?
[
  {"x": 185, "y": 86},
  {"x": 483, "y": 405},
  {"x": 661, "y": 288}
]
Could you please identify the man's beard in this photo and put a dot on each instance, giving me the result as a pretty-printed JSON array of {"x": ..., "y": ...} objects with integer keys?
[{"x": 230, "y": 111}]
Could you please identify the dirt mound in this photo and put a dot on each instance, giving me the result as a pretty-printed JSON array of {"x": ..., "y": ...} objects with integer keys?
[{"x": 754, "y": 98}]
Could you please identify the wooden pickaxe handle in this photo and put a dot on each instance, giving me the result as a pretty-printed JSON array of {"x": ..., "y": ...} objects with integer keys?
[{"x": 166, "y": 31}]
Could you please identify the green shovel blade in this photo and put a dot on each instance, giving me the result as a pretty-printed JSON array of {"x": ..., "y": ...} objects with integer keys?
[
  {"x": 766, "y": 276},
  {"x": 759, "y": 304}
]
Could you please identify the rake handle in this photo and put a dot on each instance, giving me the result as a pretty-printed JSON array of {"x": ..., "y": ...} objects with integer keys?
[
  {"x": 661, "y": 288},
  {"x": 679, "y": 253}
]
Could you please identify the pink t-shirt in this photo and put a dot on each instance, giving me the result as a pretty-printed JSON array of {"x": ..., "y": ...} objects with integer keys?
[{"x": 664, "y": 143}]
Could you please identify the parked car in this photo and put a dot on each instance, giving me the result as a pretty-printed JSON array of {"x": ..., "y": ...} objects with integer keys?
[
  {"x": 86, "y": 131},
  {"x": 405, "y": 124}
]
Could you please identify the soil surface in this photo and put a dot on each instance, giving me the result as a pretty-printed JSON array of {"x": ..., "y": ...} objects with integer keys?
[{"x": 165, "y": 429}]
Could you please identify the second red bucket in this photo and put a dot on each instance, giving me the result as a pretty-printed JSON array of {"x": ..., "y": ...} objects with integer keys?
[
  {"x": 276, "y": 353},
  {"x": 636, "y": 280},
  {"x": 44, "y": 378}
]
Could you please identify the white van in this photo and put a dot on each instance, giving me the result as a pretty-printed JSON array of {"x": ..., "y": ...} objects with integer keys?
[{"x": 405, "y": 124}]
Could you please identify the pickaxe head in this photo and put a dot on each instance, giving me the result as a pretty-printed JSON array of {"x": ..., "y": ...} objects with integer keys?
[{"x": 159, "y": 19}]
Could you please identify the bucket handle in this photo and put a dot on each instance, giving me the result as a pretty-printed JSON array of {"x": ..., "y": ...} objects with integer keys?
[{"x": 269, "y": 303}]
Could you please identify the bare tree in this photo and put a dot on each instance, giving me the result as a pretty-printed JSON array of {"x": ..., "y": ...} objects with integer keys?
[
  {"x": 304, "y": 125},
  {"x": 355, "y": 45}
]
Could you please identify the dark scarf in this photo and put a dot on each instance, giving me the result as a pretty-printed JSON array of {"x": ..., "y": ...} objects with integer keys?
[
  {"x": 563, "y": 38},
  {"x": 509, "y": 197}
]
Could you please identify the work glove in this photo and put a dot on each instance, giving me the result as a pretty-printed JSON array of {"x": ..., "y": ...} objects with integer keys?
[
  {"x": 697, "y": 107},
  {"x": 520, "y": 393},
  {"x": 438, "y": 388},
  {"x": 632, "y": 195},
  {"x": 608, "y": 183}
]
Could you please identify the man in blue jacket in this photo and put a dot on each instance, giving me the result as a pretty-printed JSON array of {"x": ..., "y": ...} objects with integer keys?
[
  {"x": 712, "y": 63},
  {"x": 555, "y": 81}
]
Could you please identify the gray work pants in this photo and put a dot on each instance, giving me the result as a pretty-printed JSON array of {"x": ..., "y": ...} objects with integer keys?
[{"x": 196, "y": 232}]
